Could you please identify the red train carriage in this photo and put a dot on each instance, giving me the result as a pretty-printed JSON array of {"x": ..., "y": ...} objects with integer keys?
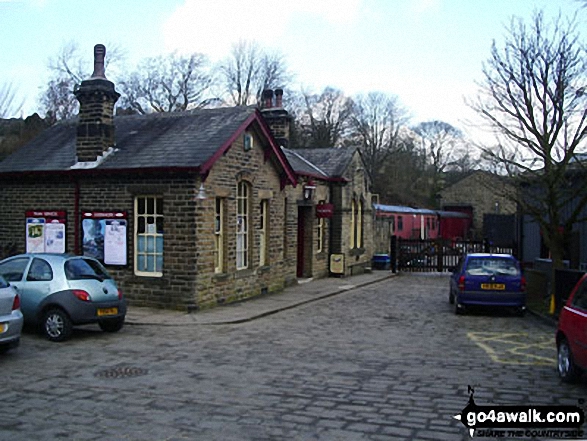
[{"x": 422, "y": 223}]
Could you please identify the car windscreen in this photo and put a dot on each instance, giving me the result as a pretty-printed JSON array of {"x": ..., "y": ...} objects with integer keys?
[
  {"x": 77, "y": 269},
  {"x": 492, "y": 266}
]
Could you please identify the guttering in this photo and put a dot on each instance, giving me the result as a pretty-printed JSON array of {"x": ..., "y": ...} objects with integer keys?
[
  {"x": 321, "y": 177},
  {"x": 100, "y": 172}
]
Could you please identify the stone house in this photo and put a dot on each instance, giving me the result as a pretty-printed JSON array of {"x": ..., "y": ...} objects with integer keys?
[
  {"x": 187, "y": 210},
  {"x": 479, "y": 194},
  {"x": 332, "y": 202}
]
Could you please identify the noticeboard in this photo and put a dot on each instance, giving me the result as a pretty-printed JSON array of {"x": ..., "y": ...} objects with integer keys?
[
  {"x": 45, "y": 231},
  {"x": 105, "y": 236},
  {"x": 337, "y": 263}
]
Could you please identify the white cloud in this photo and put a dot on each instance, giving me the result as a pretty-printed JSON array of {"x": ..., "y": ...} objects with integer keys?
[
  {"x": 213, "y": 26},
  {"x": 422, "y": 6}
]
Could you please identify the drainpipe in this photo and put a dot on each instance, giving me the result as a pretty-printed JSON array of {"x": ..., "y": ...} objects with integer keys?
[{"x": 76, "y": 218}]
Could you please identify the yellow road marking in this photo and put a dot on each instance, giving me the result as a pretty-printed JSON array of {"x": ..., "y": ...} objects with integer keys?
[{"x": 516, "y": 348}]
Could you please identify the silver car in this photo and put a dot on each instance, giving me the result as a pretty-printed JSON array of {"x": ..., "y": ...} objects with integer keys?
[
  {"x": 11, "y": 319},
  {"x": 58, "y": 291}
]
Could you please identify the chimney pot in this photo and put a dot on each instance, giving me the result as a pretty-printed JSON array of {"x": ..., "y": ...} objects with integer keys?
[
  {"x": 279, "y": 98},
  {"x": 267, "y": 99},
  {"x": 99, "y": 55}
]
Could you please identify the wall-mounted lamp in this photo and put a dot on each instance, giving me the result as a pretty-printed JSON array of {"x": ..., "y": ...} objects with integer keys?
[
  {"x": 309, "y": 190},
  {"x": 201, "y": 193}
]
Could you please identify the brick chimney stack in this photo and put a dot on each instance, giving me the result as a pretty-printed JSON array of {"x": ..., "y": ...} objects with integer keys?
[
  {"x": 278, "y": 119},
  {"x": 96, "y": 96}
]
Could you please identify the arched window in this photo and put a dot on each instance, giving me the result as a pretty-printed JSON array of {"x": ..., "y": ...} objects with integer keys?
[
  {"x": 242, "y": 225},
  {"x": 353, "y": 229},
  {"x": 360, "y": 224},
  {"x": 263, "y": 232},
  {"x": 219, "y": 236}
]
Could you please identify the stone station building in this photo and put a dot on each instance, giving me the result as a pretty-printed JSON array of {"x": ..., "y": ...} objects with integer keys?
[{"x": 187, "y": 210}]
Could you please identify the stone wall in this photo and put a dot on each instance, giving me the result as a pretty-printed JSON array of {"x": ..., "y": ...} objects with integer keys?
[
  {"x": 357, "y": 257},
  {"x": 485, "y": 193},
  {"x": 175, "y": 288},
  {"x": 265, "y": 183},
  {"x": 188, "y": 280}
]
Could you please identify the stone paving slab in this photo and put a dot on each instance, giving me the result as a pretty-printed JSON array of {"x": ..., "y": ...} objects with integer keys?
[{"x": 306, "y": 291}]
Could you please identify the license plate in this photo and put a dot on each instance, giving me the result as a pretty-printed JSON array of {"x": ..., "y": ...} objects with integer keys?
[
  {"x": 107, "y": 311},
  {"x": 493, "y": 286}
]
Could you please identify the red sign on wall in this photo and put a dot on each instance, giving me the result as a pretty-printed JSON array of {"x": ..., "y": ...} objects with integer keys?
[{"x": 324, "y": 210}]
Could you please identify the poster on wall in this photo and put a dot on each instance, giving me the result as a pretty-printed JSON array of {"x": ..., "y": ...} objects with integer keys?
[
  {"x": 105, "y": 236},
  {"x": 45, "y": 231},
  {"x": 55, "y": 237}
]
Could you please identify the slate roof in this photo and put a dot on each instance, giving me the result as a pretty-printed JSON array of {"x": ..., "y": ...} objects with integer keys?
[
  {"x": 330, "y": 161},
  {"x": 190, "y": 139},
  {"x": 303, "y": 166}
]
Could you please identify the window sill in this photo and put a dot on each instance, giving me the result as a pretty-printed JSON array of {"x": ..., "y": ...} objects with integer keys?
[
  {"x": 357, "y": 251},
  {"x": 263, "y": 269},
  {"x": 221, "y": 276},
  {"x": 243, "y": 273}
]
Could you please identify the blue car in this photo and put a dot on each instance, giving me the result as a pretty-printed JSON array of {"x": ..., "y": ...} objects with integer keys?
[
  {"x": 488, "y": 280},
  {"x": 59, "y": 291}
]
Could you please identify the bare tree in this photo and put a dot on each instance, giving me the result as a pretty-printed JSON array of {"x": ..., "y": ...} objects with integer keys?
[
  {"x": 376, "y": 120},
  {"x": 322, "y": 120},
  {"x": 442, "y": 143},
  {"x": 68, "y": 69},
  {"x": 168, "y": 84},
  {"x": 249, "y": 70},
  {"x": 9, "y": 104},
  {"x": 533, "y": 96},
  {"x": 403, "y": 177}
]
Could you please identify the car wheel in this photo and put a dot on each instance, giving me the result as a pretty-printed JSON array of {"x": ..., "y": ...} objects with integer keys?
[
  {"x": 567, "y": 369},
  {"x": 56, "y": 325},
  {"x": 459, "y": 309},
  {"x": 113, "y": 325}
]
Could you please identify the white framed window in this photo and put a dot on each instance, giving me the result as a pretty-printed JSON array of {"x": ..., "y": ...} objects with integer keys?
[
  {"x": 247, "y": 142},
  {"x": 263, "y": 232},
  {"x": 219, "y": 236},
  {"x": 149, "y": 236},
  {"x": 242, "y": 225}
]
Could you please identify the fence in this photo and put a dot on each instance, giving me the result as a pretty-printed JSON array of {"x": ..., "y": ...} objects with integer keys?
[{"x": 435, "y": 255}]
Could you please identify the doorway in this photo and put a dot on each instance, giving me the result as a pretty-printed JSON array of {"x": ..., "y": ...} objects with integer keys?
[{"x": 305, "y": 242}]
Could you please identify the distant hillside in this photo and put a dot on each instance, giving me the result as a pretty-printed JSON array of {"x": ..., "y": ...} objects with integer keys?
[{"x": 15, "y": 132}]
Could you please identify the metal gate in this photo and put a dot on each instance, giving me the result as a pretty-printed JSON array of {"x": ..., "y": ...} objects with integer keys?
[{"x": 435, "y": 255}]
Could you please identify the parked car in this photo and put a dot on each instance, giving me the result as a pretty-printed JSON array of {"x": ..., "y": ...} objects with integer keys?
[
  {"x": 488, "y": 280},
  {"x": 571, "y": 334},
  {"x": 11, "y": 319},
  {"x": 58, "y": 291}
]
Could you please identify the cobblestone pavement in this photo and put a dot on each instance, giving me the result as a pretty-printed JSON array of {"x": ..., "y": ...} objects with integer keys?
[{"x": 383, "y": 362}]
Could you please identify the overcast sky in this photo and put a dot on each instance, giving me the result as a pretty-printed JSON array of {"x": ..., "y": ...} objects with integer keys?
[{"x": 427, "y": 52}]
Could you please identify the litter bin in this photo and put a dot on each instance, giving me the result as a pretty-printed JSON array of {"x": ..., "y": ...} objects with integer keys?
[{"x": 381, "y": 262}]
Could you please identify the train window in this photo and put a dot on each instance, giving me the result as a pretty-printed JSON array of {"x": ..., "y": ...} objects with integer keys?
[{"x": 400, "y": 223}]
